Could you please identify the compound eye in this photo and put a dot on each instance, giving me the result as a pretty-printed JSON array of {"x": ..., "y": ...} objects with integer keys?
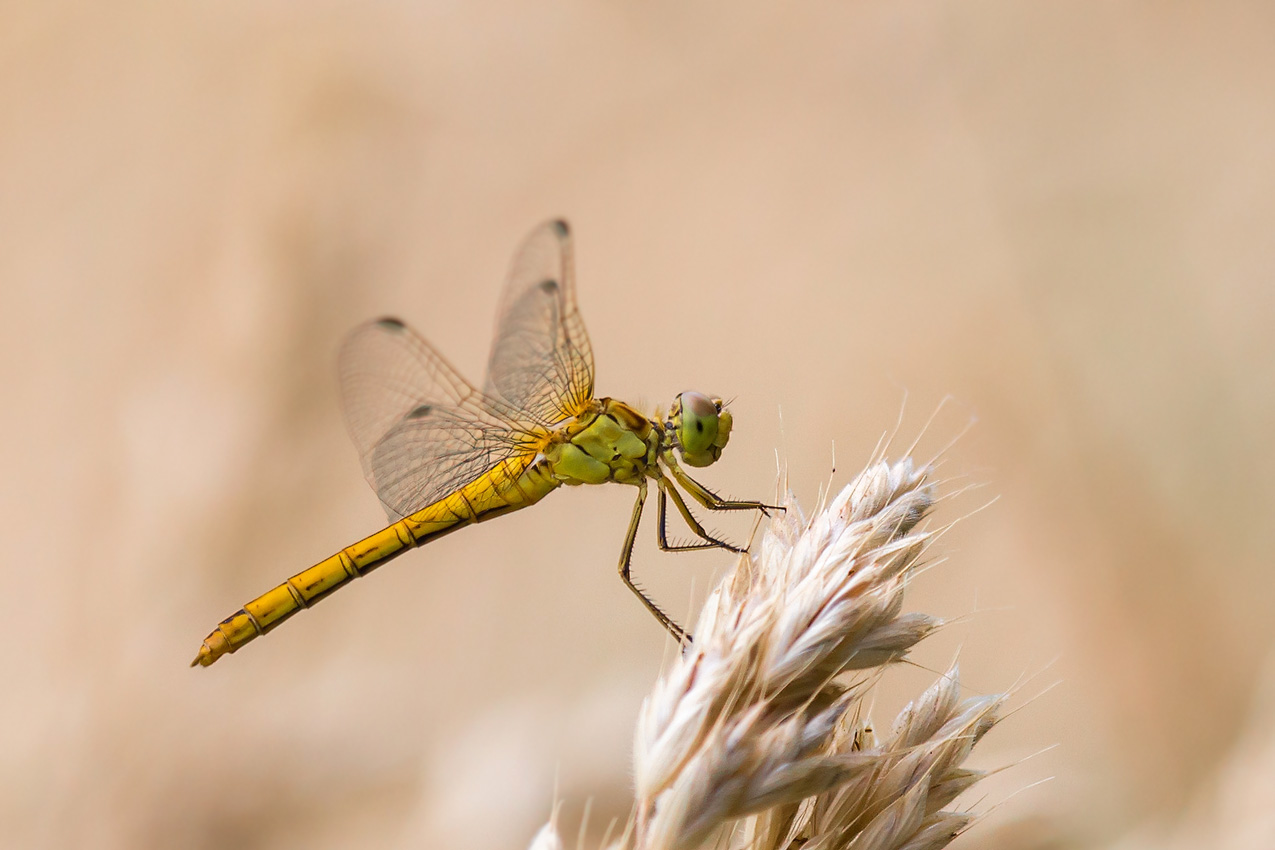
[{"x": 698, "y": 426}]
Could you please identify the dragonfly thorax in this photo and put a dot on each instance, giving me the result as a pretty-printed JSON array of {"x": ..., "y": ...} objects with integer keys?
[{"x": 609, "y": 441}]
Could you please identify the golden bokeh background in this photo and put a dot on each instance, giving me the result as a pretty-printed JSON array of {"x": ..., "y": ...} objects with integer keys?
[{"x": 1058, "y": 215}]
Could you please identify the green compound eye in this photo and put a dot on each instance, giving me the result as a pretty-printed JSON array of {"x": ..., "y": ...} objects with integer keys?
[{"x": 701, "y": 426}]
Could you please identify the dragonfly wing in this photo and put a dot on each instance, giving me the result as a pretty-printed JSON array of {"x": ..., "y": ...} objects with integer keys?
[
  {"x": 422, "y": 431},
  {"x": 541, "y": 363}
]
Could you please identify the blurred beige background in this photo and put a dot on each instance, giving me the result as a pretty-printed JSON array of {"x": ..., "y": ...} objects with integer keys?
[{"x": 1060, "y": 215}]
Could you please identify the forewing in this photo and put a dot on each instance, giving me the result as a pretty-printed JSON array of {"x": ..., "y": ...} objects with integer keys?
[
  {"x": 422, "y": 431},
  {"x": 541, "y": 363}
]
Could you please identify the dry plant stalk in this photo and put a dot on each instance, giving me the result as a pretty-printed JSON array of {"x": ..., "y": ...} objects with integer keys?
[{"x": 753, "y": 738}]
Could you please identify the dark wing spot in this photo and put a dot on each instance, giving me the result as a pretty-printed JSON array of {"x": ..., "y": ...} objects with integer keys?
[
  {"x": 390, "y": 323},
  {"x": 699, "y": 426},
  {"x": 561, "y": 228},
  {"x": 549, "y": 286},
  {"x": 420, "y": 412}
]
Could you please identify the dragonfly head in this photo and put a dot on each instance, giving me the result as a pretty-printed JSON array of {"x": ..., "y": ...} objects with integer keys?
[{"x": 700, "y": 427}]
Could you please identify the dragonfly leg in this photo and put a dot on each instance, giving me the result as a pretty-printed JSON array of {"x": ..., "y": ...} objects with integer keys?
[
  {"x": 708, "y": 541},
  {"x": 626, "y": 560},
  {"x": 711, "y": 500}
]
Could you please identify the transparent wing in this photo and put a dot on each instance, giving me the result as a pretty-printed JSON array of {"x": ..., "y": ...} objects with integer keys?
[
  {"x": 422, "y": 431},
  {"x": 541, "y": 364}
]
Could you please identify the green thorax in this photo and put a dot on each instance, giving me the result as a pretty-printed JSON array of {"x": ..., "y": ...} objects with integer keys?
[{"x": 610, "y": 441}]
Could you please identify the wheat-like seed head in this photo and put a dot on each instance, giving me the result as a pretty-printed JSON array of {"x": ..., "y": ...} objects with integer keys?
[
  {"x": 547, "y": 838},
  {"x": 753, "y": 738}
]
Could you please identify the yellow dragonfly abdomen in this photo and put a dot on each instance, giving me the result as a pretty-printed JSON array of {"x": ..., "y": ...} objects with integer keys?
[{"x": 513, "y": 484}]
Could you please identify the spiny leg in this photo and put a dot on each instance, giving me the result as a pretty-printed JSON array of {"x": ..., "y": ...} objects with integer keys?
[
  {"x": 626, "y": 558},
  {"x": 708, "y": 540},
  {"x": 711, "y": 500}
]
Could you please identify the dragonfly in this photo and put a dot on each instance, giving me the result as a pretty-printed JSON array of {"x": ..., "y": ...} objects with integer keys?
[{"x": 442, "y": 454}]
